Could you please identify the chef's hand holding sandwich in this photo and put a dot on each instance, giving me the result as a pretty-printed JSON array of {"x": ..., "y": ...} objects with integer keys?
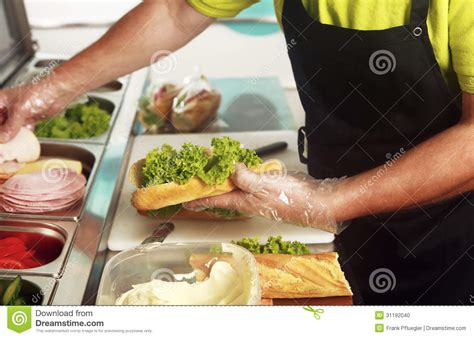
[
  {"x": 388, "y": 91},
  {"x": 292, "y": 198}
]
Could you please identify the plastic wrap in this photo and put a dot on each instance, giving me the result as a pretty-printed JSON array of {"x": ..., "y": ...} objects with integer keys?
[
  {"x": 294, "y": 198},
  {"x": 156, "y": 105},
  {"x": 25, "y": 105},
  {"x": 196, "y": 104}
]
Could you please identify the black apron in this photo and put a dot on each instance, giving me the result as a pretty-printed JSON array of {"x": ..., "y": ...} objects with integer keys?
[{"x": 370, "y": 96}]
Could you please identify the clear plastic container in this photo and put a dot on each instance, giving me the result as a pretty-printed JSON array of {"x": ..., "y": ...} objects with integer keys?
[{"x": 171, "y": 263}]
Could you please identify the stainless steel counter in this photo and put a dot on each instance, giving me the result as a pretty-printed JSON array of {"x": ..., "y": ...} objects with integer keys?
[
  {"x": 81, "y": 277},
  {"x": 84, "y": 230}
]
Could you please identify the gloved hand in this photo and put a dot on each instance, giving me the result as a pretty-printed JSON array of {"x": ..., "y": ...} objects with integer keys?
[
  {"x": 27, "y": 104},
  {"x": 296, "y": 199}
]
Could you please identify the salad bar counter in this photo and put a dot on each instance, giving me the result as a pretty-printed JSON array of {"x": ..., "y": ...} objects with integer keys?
[{"x": 54, "y": 206}]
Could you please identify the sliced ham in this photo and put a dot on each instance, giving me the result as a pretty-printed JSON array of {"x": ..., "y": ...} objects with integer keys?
[
  {"x": 48, "y": 182},
  {"x": 46, "y": 203},
  {"x": 10, "y": 167},
  {"x": 42, "y": 192}
]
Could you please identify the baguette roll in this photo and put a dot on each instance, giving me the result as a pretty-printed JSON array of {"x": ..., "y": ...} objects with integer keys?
[
  {"x": 301, "y": 276},
  {"x": 163, "y": 195},
  {"x": 284, "y": 276}
]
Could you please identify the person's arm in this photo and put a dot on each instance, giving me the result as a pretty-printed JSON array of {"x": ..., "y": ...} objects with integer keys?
[
  {"x": 435, "y": 170},
  {"x": 153, "y": 28}
]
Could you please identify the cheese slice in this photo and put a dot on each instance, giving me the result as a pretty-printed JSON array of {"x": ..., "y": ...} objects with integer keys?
[{"x": 49, "y": 164}]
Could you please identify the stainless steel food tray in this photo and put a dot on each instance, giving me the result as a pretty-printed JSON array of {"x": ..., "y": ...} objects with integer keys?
[
  {"x": 63, "y": 232},
  {"x": 90, "y": 156},
  {"x": 38, "y": 290},
  {"x": 111, "y": 104}
]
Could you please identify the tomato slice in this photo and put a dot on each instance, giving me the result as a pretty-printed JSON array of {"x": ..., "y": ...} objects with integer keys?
[
  {"x": 11, "y": 241},
  {"x": 12, "y": 250},
  {"x": 9, "y": 263}
]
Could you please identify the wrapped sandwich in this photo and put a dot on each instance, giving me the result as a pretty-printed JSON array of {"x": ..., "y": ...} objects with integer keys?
[
  {"x": 156, "y": 106},
  {"x": 195, "y": 106},
  {"x": 167, "y": 177}
]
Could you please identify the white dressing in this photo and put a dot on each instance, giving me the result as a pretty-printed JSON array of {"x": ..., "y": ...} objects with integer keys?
[{"x": 223, "y": 287}]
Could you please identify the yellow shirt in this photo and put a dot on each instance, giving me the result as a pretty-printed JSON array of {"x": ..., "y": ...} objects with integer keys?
[{"x": 450, "y": 25}]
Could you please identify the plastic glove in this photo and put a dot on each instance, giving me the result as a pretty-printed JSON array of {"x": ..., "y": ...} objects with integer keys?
[
  {"x": 26, "y": 105},
  {"x": 296, "y": 199}
]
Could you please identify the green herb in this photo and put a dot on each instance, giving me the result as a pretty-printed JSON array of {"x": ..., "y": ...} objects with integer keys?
[
  {"x": 274, "y": 245},
  {"x": 79, "y": 121},
  {"x": 166, "y": 165}
]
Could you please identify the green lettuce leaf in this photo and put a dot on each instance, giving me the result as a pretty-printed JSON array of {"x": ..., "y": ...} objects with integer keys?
[{"x": 166, "y": 164}]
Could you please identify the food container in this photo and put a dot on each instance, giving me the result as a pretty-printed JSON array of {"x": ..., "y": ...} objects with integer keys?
[
  {"x": 46, "y": 63},
  {"x": 43, "y": 68},
  {"x": 51, "y": 243},
  {"x": 171, "y": 262},
  {"x": 34, "y": 290},
  {"x": 89, "y": 155},
  {"x": 110, "y": 104}
]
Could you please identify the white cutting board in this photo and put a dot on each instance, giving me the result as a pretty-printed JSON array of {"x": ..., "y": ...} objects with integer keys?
[{"x": 129, "y": 228}]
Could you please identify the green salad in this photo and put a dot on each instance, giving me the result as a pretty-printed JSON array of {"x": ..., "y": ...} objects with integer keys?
[
  {"x": 168, "y": 165},
  {"x": 274, "y": 245},
  {"x": 78, "y": 121}
]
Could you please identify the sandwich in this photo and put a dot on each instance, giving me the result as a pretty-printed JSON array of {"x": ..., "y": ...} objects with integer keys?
[
  {"x": 195, "y": 106},
  {"x": 23, "y": 148},
  {"x": 156, "y": 106},
  {"x": 166, "y": 178}
]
